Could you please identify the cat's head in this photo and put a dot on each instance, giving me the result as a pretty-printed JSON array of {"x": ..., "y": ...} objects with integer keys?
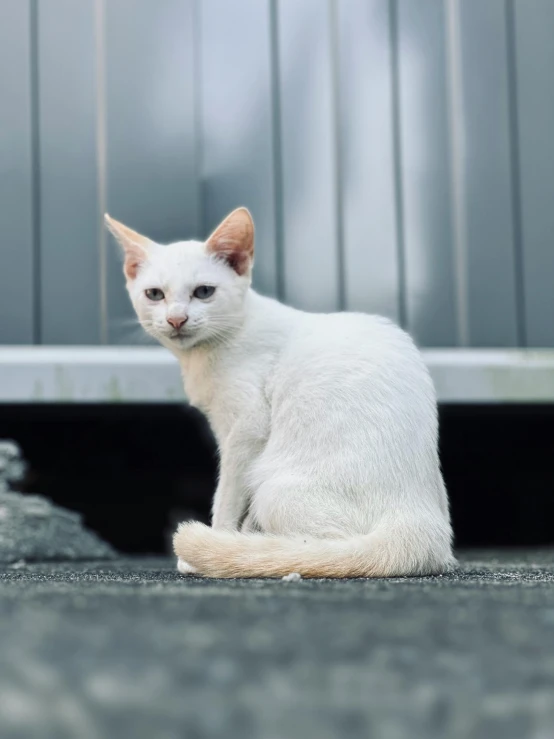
[{"x": 190, "y": 292}]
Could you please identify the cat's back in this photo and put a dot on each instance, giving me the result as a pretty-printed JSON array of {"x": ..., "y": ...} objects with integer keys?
[
  {"x": 352, "y": 353},
  {"x": 343, "y": 337}
]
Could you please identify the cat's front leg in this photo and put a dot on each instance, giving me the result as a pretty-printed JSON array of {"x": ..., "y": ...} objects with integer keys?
[
  {"x": 184, "y": 568},
  {"x": 231, "y": 497},
  {"x": 230, "y": 506},
  {"x": 238, "y": 452}
]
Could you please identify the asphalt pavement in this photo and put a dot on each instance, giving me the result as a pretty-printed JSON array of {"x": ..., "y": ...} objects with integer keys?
[{"x": 128, "y": 648}]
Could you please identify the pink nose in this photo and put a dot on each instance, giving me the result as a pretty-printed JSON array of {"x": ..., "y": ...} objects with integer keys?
[{"x": 177, "y": 323}]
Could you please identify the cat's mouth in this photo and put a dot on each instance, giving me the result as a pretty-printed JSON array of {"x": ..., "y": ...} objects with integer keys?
[{"x": 180, "y": 335}]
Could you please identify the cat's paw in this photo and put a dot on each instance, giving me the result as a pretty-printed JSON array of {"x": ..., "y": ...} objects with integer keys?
[{"x": 184, "y": 568}]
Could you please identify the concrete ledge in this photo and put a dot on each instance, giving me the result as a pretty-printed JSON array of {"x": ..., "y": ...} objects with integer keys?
[
  {"x": 51, "y": 374},
  {"x": 34, "y": 374},
  {"x": 492, "y": 375}
]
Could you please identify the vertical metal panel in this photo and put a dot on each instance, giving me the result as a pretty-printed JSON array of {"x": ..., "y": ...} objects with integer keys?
[
  {"x": 151, "y": 135},
  {"x": 308, "y": 147},
  {"x": 534, "y": 54},
  {"x": 69, "y": 213},
  {"x": 16, "y": 173},
  {"x": 366, "y": 139},
  {"x": 237, "y": 122},
  {"x": 314, "y": 114},
  {"x": 426, "y": 177},
  {"x": 487, "y": 187}
]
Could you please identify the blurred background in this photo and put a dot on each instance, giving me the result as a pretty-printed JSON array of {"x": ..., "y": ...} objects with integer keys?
[{"x": 397, "y": 156}]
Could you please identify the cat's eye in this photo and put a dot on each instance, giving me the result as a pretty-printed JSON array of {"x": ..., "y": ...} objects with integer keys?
[
  {"x": 154, "y": 293},
  {"x": 203, "y": 292}
]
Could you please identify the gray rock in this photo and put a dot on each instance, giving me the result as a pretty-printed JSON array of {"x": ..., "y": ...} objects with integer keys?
[
  {"x": 12, "y": 466},
  {"x": 32, "y": 529}
]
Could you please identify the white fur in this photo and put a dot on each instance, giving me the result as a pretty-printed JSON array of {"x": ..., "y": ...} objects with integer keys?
[
  {"x": 292, "y": 577},
  {"x": 184, "y": 568},
  {"x": 326, "y": 425}
]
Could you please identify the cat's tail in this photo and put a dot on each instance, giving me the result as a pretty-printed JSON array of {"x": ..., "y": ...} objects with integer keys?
[{"x": 383, "y": 553}]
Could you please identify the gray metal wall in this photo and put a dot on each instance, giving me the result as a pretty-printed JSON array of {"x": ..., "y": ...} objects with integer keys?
[{"x": 397, "y": 155}]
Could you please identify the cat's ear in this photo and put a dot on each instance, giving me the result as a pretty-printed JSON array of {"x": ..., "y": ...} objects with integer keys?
[
  {"x": 135, "y": 246},
  {"x": 233, "y": 240}
]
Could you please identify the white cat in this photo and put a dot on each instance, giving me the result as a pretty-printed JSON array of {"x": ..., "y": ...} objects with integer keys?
[{"x": 326, "y": 424}]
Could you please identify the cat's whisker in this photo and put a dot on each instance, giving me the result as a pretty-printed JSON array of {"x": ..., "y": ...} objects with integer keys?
[{"x": 124, "y": 322}]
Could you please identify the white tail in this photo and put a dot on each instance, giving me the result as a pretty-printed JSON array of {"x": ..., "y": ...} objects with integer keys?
[{"x": 217, "y": 553}]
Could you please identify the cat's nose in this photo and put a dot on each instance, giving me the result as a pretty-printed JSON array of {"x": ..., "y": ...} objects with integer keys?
[{"x": 177, "y": 323}]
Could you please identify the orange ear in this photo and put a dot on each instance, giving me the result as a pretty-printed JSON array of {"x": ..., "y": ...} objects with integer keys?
[
  {"x": 135, "y": 246},
  {"x": 233, "y": 240}
]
